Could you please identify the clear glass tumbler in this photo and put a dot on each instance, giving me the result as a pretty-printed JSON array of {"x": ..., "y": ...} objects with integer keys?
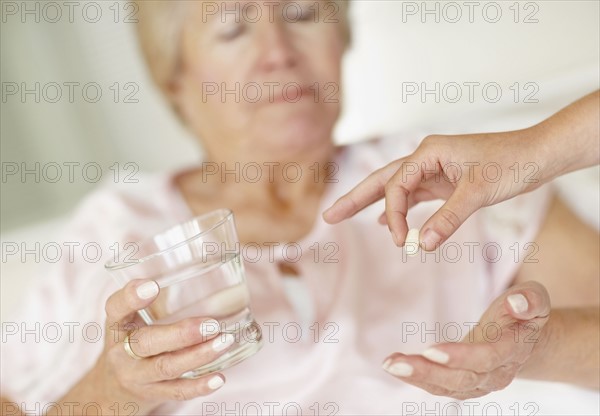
[{"x": 200, "y": 272}]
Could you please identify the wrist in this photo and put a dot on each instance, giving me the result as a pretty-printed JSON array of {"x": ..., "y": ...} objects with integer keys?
[
  {"x": 536, "y": 366},
  {"x": 98, "y": 389},
  {"x": 544, "y": 154}
]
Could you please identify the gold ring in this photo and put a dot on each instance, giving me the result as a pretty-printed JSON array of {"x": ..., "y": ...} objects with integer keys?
[{"x": 128, "y": 349}]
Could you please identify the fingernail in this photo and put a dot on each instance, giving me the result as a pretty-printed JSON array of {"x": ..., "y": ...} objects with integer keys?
[
  {"x": 147, "y": 290},
  {"x": 411, "y": 245},
  {"x": 215, "y": 383},
  {"x": 431, "y": 239},
  {"x": 209, "y": 327},
  {"x": 222, "y": 342},
  {"x": 395, "y": 238},
  {"x": 435, "y": 355},
  {"x": 518, "y": 303},
  {"x": 398, "y": 369}
]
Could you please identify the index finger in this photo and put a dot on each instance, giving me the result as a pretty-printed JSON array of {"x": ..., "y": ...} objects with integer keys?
[
  {"x": 122, "y": 305},
  {"x": 370, "y": 190}
]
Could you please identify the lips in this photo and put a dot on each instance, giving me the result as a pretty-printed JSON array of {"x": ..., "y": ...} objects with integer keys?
[{"x": 289, "y": 93}]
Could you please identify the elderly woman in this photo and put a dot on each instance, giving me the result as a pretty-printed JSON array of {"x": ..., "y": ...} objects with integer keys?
[{"x": 354, "y": 295}]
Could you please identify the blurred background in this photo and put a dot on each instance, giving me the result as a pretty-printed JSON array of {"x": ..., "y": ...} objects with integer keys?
[{"x": 77, "y": 100}]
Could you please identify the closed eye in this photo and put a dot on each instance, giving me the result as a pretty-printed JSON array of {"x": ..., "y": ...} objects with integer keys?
[
  {"x": 232, "y": 31},
  {"x": 307, "y": 14}
]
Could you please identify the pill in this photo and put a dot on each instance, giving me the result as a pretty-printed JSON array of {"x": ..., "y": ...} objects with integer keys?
[{"x": 411, "y": 245}]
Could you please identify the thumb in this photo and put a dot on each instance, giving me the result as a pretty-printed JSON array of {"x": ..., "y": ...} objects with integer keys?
[
  {"x": 527, "y": 301},
  {"x": 447, "y": 219}
]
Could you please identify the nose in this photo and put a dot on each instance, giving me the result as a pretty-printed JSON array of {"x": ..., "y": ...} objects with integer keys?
[{"x": 277, "y": 48}]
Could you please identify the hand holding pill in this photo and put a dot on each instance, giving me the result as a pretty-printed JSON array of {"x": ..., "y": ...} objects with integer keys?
[{"x": 452, "y": 168}]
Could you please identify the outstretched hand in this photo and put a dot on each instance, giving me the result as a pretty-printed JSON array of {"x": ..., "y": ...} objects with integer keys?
[{"x": 490, "y": 356}]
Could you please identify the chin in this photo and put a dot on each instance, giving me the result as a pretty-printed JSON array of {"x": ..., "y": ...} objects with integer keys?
[
  {"x": 296, "y": 134},
  {"x": 296, "y": 138}
]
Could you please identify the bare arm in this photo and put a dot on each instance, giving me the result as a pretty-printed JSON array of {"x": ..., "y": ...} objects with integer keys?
[
  {"x": 567, "y": 141},
  {"x": 570, "y": 139},
  {"x": 571, "y": 344},
  {"x": 569, "y": 269},
  {"x": 9, "y": 408}
]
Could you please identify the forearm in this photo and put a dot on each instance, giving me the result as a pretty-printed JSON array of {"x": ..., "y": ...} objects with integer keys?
[
  {"x": 80, "y": 400},
  {"x": 89, "y": 394},
  {"x": 83, "y": 395},
  {"x": 570, "y": 139},
  {"x": 568, "y": 349},
  {"x": 9, "y": 407}
]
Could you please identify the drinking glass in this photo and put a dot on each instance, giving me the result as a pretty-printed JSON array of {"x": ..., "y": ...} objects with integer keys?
[{"x": 200, "y": 272}]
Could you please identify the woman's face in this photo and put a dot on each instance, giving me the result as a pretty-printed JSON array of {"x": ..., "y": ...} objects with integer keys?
[{"x": 261, "y": 80}]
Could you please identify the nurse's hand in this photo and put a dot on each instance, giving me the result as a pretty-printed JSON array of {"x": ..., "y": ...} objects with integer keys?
[
  {"x": 492, "y": 354},
  {"x": 469, "y": 172},
  {"x": 477, "y": 170}
]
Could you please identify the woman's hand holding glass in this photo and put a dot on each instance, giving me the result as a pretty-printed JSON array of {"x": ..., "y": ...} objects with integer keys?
[{"x": 150, "y": 373}]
